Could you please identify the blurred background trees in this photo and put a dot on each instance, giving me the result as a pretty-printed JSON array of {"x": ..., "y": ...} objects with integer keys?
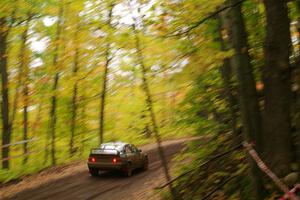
[{"x": 78, "y": 72}]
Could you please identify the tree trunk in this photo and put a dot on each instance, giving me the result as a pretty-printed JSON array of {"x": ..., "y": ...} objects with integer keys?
[
  {"x": 53, "y": 119},
  {"x": 149, "y": 103},
  {"x": 52, "y": 113},
  {"x": 297, "y": 119},
  {"x": 296, "y": 74},
  {"x": 25, "y": 69},
  {"x": 104, "y": 84},
  {"x": 75, "y": 92},
  {"x": 226, "y": 74},
  {"x": 248, "y": 98},
  {"x": 83, "y": 125},
  {"x": 6, "y": 127},
  {"x": 297, "y": 4},
  {"x": 7, "y": 121},
  {"x": 20, "y": 70},
  {"x": 241, "y": 62},
  {"x": 25, "y": 122},
  {"x": 277, "y": 85}
]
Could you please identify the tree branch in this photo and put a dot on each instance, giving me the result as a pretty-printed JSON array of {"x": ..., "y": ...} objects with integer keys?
[{"x": 211, "y": 15}]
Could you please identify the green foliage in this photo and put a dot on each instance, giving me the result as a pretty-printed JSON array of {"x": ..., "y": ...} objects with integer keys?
[
  {"x": 183, "y": 71},
  {"x": 203, "y": 106},
  {"x": 85, "y": 34}
]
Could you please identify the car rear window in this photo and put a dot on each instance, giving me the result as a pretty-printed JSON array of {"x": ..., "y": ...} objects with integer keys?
[
  {"x": 111, "y": 147},
  {"x": 104, "y": 151},
  {"x": 108, "y": 147}
]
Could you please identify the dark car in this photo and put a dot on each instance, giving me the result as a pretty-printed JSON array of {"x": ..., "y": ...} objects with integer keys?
[{"x": 116, "y": 156}]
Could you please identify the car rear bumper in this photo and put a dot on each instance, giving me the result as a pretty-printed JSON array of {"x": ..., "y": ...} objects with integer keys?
[{"x": 102, "y": 166}]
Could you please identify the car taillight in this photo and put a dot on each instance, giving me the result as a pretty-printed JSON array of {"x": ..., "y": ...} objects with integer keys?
[
  {"x": 116, "y": 160},
  {"x": 92, "y": 159}
]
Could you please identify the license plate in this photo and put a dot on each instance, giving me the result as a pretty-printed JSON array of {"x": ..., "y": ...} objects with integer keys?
[{"x": 97, "y": 151}]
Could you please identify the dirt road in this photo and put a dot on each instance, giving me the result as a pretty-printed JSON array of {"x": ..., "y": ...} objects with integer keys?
[{"x": 74, "y": 182}]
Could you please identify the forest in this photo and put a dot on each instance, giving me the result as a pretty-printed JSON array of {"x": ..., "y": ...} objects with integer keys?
[{"x": 77, "y": 73}]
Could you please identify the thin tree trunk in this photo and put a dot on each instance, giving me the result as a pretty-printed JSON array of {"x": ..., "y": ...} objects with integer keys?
[
  {"x": 5, "y": 30},
  {"x": 248, "y": 98},
  {"x": 83, "y": 125},
  {"x": 277, "y": 86},
  {"x": 52, "y": 113},
  {"x": 149, "y": 103},
  {"x": 104, "y": 84},
  {"x": 25, "y": 122},
  {"x": 102, "y": 99},
  {"x": 6, "y": 127},
  {"x": 75, "y": 92},
  {"x": 19, "y": 79},
  {"x": 25, "y": 70}
]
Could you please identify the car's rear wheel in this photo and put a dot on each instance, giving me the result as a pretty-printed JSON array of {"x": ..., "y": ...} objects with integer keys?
[
  {"x": 94, "y": 172},
  {"x": 145, "y": 164}
]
